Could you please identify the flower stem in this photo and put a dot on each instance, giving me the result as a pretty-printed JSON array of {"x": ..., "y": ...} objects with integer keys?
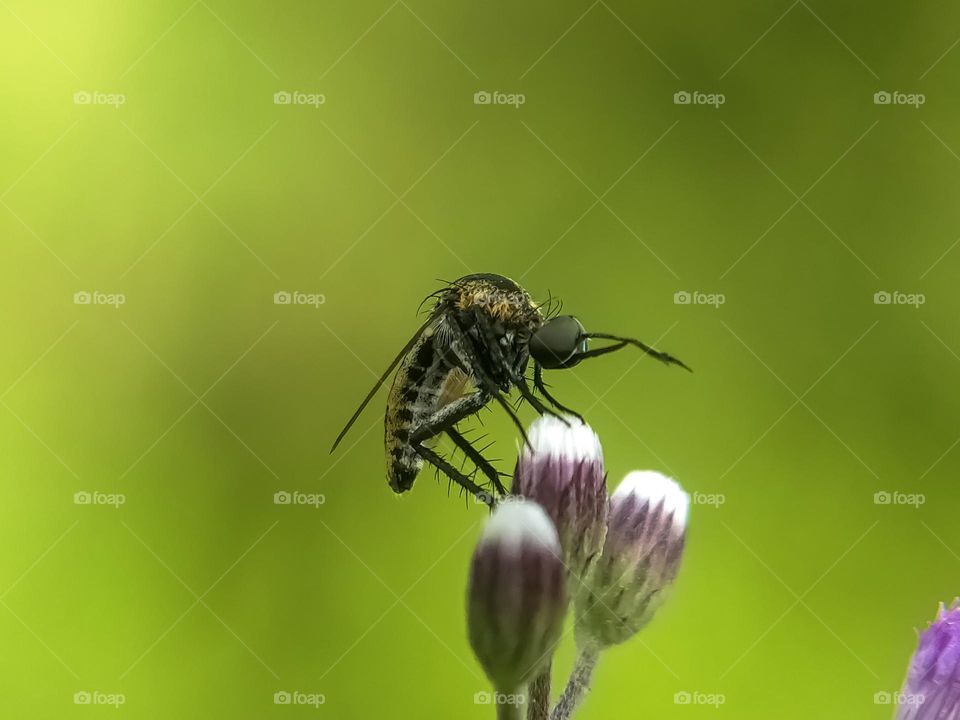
[
  {"x": 508, "y": 711},
  {"x": 538, "y": 704},
  {"x": 578, "y": 685}
]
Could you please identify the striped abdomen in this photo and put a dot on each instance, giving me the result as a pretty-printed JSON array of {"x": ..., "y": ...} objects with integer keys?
[{"x": 428, "y": 378}]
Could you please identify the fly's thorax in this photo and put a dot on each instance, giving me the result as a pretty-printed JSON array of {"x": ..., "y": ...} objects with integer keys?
[{"x": 497, "y": 297}]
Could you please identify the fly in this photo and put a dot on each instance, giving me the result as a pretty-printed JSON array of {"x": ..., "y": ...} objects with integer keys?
[{"x": 473, "y": 349}]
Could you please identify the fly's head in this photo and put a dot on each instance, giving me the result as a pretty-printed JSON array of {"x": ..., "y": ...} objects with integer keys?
[
  {"x": 559, "y": 343},
  {"x": 562, "y": 342}
]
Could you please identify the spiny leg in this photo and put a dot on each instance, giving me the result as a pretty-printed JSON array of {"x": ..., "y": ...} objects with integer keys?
[
  {"x": 450, "y": 471},
  {"x": 448, "y": 416},
  {"x": 477, "y": 459},
  {"x": 444, "y": 420},
  {"x": 539, "y": 385},
  {"x": 513, "y": 416},
  {"x": 535, "y": 401}
]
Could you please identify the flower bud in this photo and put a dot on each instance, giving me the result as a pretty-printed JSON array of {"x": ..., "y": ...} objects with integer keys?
[
  {"x": 646, "y": 527},
  {"x": 561, "y": 469},
  {"x": 932, "y": 687},
  {"x": 516, "y": 598}
]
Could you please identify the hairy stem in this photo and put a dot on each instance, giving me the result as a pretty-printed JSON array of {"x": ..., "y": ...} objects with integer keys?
[
  {"x": 578, "y": 685},
  {"x": 538, "y": 702}
]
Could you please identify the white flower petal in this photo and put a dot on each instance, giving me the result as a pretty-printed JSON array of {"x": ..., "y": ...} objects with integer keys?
[
  {"x": 517, "y": 521},
  {"x": 656, "y": 487},
  {"x": 549, "y": 435}
]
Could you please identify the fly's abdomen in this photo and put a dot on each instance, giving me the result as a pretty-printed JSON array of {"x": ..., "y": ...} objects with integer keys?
[{"x": 425, "y": 382}]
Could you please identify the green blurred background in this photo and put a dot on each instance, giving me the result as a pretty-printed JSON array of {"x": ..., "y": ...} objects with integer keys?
[{"x": 198, "y": 398}]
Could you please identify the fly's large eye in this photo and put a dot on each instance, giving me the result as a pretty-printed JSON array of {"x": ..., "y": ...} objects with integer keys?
[{"x": 557, "y": 341}]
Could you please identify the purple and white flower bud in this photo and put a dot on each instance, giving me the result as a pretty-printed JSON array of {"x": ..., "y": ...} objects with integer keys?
[
  {"x": 517, "y": 596},
  {"x": 932, "y": 687},
  {"x": 561, "y": 469},
  {"x": 646, "y": 529}
]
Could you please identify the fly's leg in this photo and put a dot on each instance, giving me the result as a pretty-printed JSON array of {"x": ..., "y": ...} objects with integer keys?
[
  {"x": 491, "y": 340},
  {"x": 537, "y": 405},
  {"x": 448, "y": 416},
  {"x": 458, "y": 477},
  {"x": 538, "y": 384},
  {"x": 464, "y": 348},
  {"x": 444, "y": 420},
  {"x": 477, "y": 459}
]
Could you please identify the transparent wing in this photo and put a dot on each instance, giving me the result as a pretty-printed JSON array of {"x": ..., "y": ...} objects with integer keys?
[{"x": 386, "y": 374}]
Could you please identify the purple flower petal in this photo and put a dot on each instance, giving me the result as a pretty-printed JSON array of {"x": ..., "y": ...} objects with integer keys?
[
  {"x": 517, "y": 597},
  {"x": 646, "y": 530},
  {"x": 562, "y": 471},
  {"x": 933, "y": 679}
]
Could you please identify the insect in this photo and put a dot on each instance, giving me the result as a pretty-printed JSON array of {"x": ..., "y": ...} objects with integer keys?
[{"x": 473, "y": 349}]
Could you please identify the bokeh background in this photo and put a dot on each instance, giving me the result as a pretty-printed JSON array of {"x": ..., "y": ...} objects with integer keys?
[{"x": 175, "y": 183}]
